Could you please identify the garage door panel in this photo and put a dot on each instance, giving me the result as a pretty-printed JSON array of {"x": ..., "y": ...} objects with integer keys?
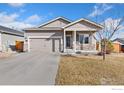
[
  {"x": 44, "y": 44},
  {"x": 41, "y": 45}
]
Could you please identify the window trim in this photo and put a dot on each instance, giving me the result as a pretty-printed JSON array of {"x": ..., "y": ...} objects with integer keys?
[
  {"x": 83, "y": 38},
  {"x": 84, "y": 35},
  {"x": 70, "y": 40}
]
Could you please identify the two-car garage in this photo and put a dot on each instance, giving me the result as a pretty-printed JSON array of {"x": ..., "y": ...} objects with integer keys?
[
  {"x": 45, "y": 44},
  {"x": 45, "y": 40}
]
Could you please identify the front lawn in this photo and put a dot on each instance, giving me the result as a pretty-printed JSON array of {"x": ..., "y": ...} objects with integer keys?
[{"x": 91, "y": 70}]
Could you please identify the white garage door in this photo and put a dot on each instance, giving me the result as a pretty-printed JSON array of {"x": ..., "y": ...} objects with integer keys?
[{"x": 44, "y": 45}]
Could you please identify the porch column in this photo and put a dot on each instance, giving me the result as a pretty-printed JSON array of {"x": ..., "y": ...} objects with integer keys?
[
  {"x": 28, "y": 44},
  {"x": 64, "y": 42},
  {"x": 74, "y": 42},
  {"x": 61, "y": 43}
]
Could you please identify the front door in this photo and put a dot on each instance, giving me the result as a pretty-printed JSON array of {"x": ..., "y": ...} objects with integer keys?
[{"x": 68, "y": 41}]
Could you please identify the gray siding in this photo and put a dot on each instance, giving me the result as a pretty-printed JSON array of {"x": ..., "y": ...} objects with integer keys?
[
  {"x": 58, "y": 34},
  {"x": 8, "y": 41}
]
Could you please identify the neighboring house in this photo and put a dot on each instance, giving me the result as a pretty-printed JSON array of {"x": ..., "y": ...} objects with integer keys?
[
  {"x": 8, "y": 37},
  {"x": 63, "y": 35},
  {"x": 118, "y": 45}
]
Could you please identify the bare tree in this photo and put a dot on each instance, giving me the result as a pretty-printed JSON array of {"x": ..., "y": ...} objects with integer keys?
[{"x": 110, "y": 27}]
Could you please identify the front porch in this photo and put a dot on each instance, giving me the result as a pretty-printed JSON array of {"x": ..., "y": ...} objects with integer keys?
[
  {"x": 79, "y": 42},
  {"x": 79, "y": 36}
]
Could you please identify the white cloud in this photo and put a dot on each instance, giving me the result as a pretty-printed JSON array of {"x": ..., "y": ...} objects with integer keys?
[
  {"x": 33, "y": 19},
  {"x": 15, "y": 20},
  {"x": 6, "y": 18},
  {"x": 17, "y": 25},
  {"x": 11, "y": 20},
  {"x": 99, "y": 9},
  {"x": 16, "y": 4}
]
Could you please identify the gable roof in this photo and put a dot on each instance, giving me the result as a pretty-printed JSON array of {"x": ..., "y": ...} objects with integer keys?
[
  {"x": 86, "y": 20},
  {"x": 60, "y": 28},
  {"x": 120, "y": 40},
  {"x": 63, "y": 18},
  {"x": 4, "y": 29}
]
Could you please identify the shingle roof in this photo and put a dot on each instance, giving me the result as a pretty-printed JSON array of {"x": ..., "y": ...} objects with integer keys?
[
  {"x": 4, "y": 29},
  {"x": 120, "y": 40},
  {"x": 57, "y": 18},
  {"x": 44, "y": 28}
]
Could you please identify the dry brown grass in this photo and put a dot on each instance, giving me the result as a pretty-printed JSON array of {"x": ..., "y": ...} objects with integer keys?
[{"x": 91, "y": 70}]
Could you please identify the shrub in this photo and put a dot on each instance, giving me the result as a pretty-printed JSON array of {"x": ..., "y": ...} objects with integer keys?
[{"x": 109, "y": 46}]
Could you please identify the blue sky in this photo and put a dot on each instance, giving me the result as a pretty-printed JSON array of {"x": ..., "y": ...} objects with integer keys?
[{"x": 21, "y": 15}]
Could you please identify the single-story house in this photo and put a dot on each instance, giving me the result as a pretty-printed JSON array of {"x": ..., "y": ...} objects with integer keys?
[
  {"x": 8, "y": 37},
  {"x": 118, "y": 45},
  {"x": 63, "y": 35}
]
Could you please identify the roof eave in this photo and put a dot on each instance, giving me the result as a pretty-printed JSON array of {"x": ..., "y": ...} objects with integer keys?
[{"x": 40, "y": 29}]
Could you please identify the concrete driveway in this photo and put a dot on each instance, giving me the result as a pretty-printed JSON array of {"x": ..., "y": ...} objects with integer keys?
[{"x": 29, "y": 69}]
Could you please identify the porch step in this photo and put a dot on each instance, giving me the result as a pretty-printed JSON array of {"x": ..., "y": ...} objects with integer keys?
[
  {"x": 69, "y": 52},
  {"x": 80, "y": 52},
  {"x": 86, "y": 52}
]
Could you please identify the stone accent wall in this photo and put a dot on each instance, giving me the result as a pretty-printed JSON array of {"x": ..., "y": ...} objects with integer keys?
[{"x": 86, "y": 47}]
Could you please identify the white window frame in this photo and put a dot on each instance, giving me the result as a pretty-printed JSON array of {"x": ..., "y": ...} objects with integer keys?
[
  {"x": 88, "y": 38},
  {"x": 83, "y": 38},
  {"x": 84, "y": 35}
]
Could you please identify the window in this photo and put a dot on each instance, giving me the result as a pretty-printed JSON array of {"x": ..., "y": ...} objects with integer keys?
[
  {"x": 77, "y": 37},
  {"x": 81, "y": 39},
  {"x": 122, "y": 46},
  {"x": 86, "y": 40}
]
